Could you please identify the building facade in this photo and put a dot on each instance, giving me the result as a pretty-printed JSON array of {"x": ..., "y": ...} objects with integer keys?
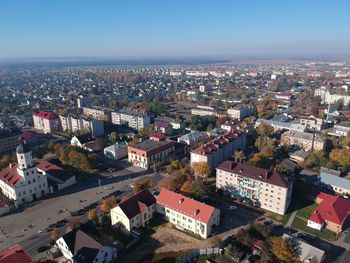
[
  {"x": 47, "y": 122},
  {"x": 135, "y": 119},
  {"x": 239, "y": 112},
  {"x": 75, "y": 123},
  {"x": 266, "y": 189},
  {"x": 187, "y": 214},
  {"x": 219, "y": 149},
  {"x": 306, "y": 141},
  {"x": 149, "y": 152},
  {"x": 116, "y": 151},
  {"x": 22, "y": 182}
]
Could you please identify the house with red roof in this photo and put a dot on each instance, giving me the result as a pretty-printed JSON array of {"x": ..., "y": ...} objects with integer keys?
[
  {"x": 134, "y": 212},
  {"x": 47, "y": 122},
  {"x": 15, "y": 254},
  {"x": 187, "y": 214},
  {"x": 331, "y": 213}
]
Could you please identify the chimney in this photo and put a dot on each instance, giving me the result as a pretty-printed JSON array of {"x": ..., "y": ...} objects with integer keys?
[
  {"x": 10, "y": 164},
  {"x": 196, "y": 212},
  {"x": 181, "y": 200}
]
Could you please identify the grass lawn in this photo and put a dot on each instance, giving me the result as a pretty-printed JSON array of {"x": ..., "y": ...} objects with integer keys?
[
  {"x": 281, "y": 218},
  {"x": 324, "y": 233},
  {"x": 306, "y": 211}
]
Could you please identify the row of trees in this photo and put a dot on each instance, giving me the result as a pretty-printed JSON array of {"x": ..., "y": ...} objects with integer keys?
[{"x": 73, "y": 156}]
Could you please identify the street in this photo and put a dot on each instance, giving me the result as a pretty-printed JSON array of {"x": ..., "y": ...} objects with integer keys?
[{"x": 22, "y": 227}]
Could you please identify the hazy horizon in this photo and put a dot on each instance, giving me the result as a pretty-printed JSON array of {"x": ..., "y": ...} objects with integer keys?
[{"x": 157, "y": 30}]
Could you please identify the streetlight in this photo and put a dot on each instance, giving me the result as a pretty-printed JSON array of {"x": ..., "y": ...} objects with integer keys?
[{"x": 99, "y": 186}]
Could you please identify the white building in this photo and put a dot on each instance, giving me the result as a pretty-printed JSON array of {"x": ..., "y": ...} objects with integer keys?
[
  {"x": 266, "y": 189},
  {"x": 22, "y": 182},
  {"x": 187, "y": 214},
  {"x": 74, "y": 123},
  {"x": 304, "y": 140},
  {"x": 116, "y": 151},
  {"x": 133, "y": 118},
  {"x": 192, "y": 138},
  {"x": 47, "y": 122},
  {"x": 78, "y": 246},
  {"x": 239, "y": 112}
]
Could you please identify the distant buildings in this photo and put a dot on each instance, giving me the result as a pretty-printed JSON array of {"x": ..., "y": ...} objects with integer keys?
[
  {"x": 266, "y": 189},
  {"x": 332, "y": 213},
  {"x": 176, "y": 124},
  {"x": 312, "y": 124},
  {"x": 9, "y": 140},
  {"x": 306, "y": 141},
  {"x": 239, "y": 112},
  {"x": 135, "y": 119},
  {"x": 74, "y": 123},
  {"x": 116, "y": 151},
  {"x": 187, "y": 214},
  {"x": 47, "y": 122},
  {"x": 96, "y": 113},
  {"x": 22, "y": 182},
  {"x": 330, "y": 98},
  {"x": 163, "y": 127},
  {"x": 281, "y": 125},
  {"x": 133, "y": 212},
  {"x": 196, "y": 73},
  {"x": 219, "y": 149},
  {"x": 149, "y": 152}
]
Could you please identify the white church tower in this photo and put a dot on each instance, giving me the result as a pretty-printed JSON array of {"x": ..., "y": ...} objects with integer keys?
[{"x": 24, "y": 156}]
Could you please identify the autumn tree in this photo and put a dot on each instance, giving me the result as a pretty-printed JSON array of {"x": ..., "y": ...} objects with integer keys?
[
  {"x": 265, "y": 130},
  {"x": 108, "y": 204},
  {"x": 239, "y": 156},
  {"x": 282, "y": 248},
  {"x": 199, "y": 188},
  {"x": 187, "y": 187},
  {"x": 202, "y": 169},
  {"x": 141, "y": 185},
  {"x": 92, "y": 216},
  {"x": 114, "y": 137},
  {"x": 341, "y": 157},
  {"x": 5, "y": 161},
  {"x": 55, "y": 234},
  {"x": 173, "y": 182}
]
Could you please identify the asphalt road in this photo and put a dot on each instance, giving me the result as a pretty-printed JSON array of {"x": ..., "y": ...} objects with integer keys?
[{"x": 22, "y": 227}]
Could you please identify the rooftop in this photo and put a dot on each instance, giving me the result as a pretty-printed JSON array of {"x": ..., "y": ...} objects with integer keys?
[
  {"x": 185, "y": 205},
  {"x": 256, "y": 173},
  {"x": 46, "y": 115},
  {"x": 148, "y": 145},
  {"x": 14, "y": 254}
]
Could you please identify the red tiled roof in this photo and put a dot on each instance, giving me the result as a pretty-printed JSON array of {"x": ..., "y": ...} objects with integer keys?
[
  {"x": 332, "y": 208},
  {"x": 46, "y": 115},
  {"x": 316, "y": 217},
  {"x": 137, "y": 203},
  {"x": 217, "y": 143},
  {"x": 187, "y": 206},
  {"x": 54, "y": 170},
  {"x": 14, "y": 254},
  {"x": 10, "y": 176},
  {"x": 256, "y": 173},
  {"x": 31, "y": 136}
]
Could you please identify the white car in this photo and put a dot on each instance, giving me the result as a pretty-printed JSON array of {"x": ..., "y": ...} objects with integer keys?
[{"x": 232, "y": 207}]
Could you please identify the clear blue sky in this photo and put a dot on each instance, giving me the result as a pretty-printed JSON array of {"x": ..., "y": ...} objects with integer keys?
[{"x": 173, "y": 28}]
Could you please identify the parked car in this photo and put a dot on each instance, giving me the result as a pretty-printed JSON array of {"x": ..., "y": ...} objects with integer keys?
[{"x": 232, "y": 207}]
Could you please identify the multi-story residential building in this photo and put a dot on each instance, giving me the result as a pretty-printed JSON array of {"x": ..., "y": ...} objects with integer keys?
[
  {"x": 75, "y": 123},
  {"x": 219, "y": 149},
  {"x": 193, "y": 138},
  {"x": 150, "y": 152},
  {"x": 22, "y": 182},
  {"x": 340, "y": 131},
  {"x": 281, "y": 125},
  {"x": 9, "y": 140},
  {"x": 239, "y": 112},
  {"x": 265, "y": 188},
  {"x": 306, "y": 141},
  {"x": 186, "y": 213},
  {"x": 47, "y": 122},
  {"x": 134, "y": 212},
  {"x": 96, "y": 113},
  {"x": 312, "y": 124},
  {"x": 135, "y": 119}
]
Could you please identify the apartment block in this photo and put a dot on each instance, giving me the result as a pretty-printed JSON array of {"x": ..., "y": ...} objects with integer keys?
[
  {"x": 47, "y": 122},
  {"x": 219, "y": 149},
  {"x": 149, "y": 152},
  {"x": 265, "y": 188},
  {"x": 75, "y": 123},
  {"x": 135, "y": 119},
  {"x": 9, "y": 139},
  {"x": 186, "y": 213},
  {"x": 239, "y": 112},
  {"x": 312, "y": 124}
]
